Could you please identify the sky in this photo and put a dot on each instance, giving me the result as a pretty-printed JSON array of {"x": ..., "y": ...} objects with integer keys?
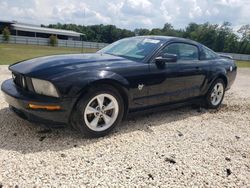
[{"x": 128, "y": 14}]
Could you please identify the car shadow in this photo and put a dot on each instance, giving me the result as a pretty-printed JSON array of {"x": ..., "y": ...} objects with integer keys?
[{"x": 24, "y": 137}]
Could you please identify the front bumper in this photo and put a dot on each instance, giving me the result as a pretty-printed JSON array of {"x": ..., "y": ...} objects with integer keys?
[{"x": 20, "y": 99}]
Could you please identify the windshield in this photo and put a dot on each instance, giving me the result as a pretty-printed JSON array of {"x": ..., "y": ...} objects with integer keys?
[{"x": 136, "y": 48}]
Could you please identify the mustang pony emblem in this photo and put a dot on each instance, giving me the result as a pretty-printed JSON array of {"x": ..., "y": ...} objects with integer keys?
[{"x": 140, "y": 86}]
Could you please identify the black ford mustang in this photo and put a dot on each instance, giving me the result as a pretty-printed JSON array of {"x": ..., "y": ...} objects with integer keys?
[{"x": 93, "y": 92}]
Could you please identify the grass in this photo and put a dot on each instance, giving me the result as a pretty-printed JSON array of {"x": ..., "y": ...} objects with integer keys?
[
  {"x": 243, "y": 64},
  {"x": 12, "y": 53}
]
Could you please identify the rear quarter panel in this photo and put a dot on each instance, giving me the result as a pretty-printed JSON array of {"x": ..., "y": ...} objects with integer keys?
[{"x": 223, "y": 67}]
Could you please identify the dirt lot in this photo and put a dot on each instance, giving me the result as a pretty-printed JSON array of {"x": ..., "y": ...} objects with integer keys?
[{"x": 182, "y": 147}]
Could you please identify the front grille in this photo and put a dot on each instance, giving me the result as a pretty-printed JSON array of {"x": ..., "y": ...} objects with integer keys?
[{"x": 19, "y": 80}]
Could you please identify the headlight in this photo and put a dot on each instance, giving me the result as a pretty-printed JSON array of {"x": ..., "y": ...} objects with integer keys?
[{"x": 44, "y": 87}]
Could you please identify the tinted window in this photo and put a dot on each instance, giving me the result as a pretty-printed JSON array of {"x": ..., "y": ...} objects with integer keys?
[
  {"x": 207, "y": 54},
  {"x": 183, "y": 51}
]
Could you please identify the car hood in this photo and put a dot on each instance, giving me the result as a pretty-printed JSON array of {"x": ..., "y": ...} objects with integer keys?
[{"x": 51, "y": 65}]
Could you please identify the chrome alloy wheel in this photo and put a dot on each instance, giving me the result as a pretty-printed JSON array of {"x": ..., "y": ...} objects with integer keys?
[
  {"x": 101, "y": 112},
  {"x": 217, "y": 94}
]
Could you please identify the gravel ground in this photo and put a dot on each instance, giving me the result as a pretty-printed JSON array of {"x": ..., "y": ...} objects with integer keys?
[{"x": 177, "y": 148}]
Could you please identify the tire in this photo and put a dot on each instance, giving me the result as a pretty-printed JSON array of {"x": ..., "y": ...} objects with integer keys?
[
  {"x": 92, "y": 120},
  {"x": 215, "y": 94}
]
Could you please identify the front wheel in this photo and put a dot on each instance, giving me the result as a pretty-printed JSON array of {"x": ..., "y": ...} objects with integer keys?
[
  {"x": 215, "y": 94},
  {"x": 98, "y": 112}
]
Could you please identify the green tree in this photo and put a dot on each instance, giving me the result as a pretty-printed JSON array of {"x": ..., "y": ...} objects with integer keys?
[
  {"x": 244, "y": 44},
  {"x": 141, "y": 32},
  {"x": 168, "y": 30},
  {"x": 156, "y": 31},
  {"x": 6, "y": 34},
  {"x": 220, "y": 38},
  {"x": 53, "y": 40},
  {"x": 245, "y": 32}
]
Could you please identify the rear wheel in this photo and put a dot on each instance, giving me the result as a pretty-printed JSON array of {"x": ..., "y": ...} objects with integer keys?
[
  {"x": 98, "y": 112},
  {"x": 215, "y": 94}
]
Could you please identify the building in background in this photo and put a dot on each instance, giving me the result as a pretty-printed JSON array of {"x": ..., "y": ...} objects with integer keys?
[{"x": 28, "y": 30}]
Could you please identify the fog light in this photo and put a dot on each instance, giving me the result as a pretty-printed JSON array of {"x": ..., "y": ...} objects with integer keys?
[{"x": 44, "y": 107}]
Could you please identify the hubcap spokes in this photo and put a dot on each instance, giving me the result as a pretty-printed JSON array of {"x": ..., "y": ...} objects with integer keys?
[
  {"x": 101, "y": 112},
  {"x": 217, "y": 94}
]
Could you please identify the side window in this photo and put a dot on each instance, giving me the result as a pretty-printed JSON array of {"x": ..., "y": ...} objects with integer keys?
[
  {"x": 183, "y": 51},
  {"x": 207, "y": 54}
]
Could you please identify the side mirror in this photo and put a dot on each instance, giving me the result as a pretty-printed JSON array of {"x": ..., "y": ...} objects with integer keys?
[{"x": 161, "y": 60}]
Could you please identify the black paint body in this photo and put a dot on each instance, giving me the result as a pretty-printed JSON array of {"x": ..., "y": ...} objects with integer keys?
[{"x": 73, "y": 74}]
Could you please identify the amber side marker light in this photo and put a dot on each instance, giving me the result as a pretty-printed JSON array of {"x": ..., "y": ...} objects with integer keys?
[{"x": 42, "y": 107}]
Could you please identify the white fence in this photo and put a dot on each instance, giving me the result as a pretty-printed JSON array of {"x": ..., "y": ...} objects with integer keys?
[
  {"x": 242, "y": 57},
  {"x": 45, "y": 42}
]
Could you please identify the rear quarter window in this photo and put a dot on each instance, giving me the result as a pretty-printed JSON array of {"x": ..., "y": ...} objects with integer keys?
[{"x": 207, "y": 54}]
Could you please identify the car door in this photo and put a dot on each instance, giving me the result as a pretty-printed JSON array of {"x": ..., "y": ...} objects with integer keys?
[{"x": 180, "y": 80}]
